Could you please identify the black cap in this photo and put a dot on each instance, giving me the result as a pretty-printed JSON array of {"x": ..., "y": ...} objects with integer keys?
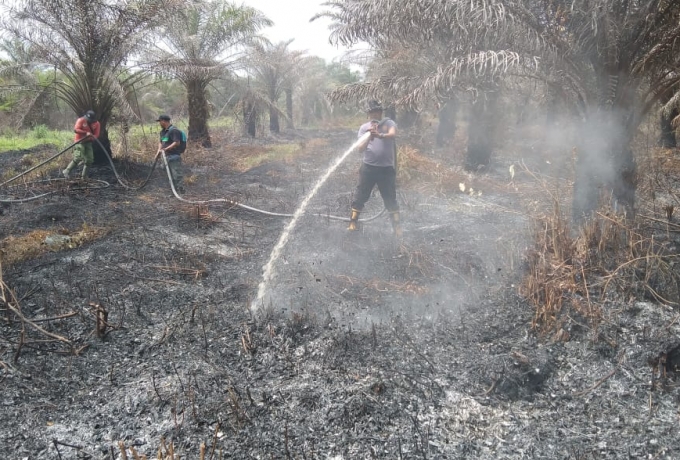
[
  {"x": 163, "y": 118},
  {"x": 374, "y": 106},
  {"x": 90, "y": 115}
]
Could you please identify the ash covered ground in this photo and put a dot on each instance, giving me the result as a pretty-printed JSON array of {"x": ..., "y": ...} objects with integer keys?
[{"x": 365, "y": 347}]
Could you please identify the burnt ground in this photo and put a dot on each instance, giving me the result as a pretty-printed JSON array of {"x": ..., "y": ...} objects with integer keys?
[{"x": 365, "y": 347}]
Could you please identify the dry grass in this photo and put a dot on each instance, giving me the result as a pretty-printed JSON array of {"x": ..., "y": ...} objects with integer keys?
[
  {"x": 573, "y": 278},
  {"x": 417, "y": 171},
  {"x": 244, "y": 159},
  {"x": 241, "y": 158},
  {"x": 16, "y": 249}
]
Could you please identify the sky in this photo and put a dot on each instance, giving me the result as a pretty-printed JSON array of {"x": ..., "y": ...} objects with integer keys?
[{"x": 291, "y": 20}]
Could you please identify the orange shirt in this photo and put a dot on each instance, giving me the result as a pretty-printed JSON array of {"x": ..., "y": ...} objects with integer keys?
[{"x": 82, "y": 127}]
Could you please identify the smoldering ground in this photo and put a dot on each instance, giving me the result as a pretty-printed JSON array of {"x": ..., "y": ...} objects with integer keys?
[{"x": 369, "y": 348}]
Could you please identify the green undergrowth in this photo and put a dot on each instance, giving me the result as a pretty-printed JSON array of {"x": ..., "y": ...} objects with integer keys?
[{"x": 11, "y": 139}]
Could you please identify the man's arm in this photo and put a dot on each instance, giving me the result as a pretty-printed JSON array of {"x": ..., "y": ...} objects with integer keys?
[
  {"x": 160, "y": 148},
  {"x": 171, "y": 146},
  {"x": 96, "y": 130},
  {"x": 77, "y": 128},
  {"x": 390, "y": 134},
  {"x": 361, "y": 147}
]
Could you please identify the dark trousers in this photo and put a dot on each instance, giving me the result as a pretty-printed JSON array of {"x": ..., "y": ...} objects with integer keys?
[
  {"x": 175, "y": 165},
  {"x": 386, "y": 179}
]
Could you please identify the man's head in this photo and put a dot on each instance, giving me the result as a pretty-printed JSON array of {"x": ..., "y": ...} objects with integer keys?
[
  {"x": 374, "y": 110},
  {"x": 90, "y": 116},
  {"x": 164, "y": 120}
]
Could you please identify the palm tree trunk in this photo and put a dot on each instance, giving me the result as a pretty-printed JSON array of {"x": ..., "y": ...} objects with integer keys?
[
  {"x": 98, "y": 153},
  {"x": 249, "y": 118},
  {"x": 481, "y": 130},
  {"x": 289, "y": 109},
  {"x": 198, "y": 113},
  {"x": 447, "y": 123},
  {"x": 391, "y": 113},
  {"x": 624, "y": 184},
  {"x": 605, "y": 167},
  {"x": 274, "y": 120},
  {"x": 667, "y": 138},
  {"x": 407, "y": 119}
]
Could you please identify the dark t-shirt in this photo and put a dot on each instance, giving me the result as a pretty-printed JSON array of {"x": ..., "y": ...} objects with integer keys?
[{"x": 168, "y": 136}]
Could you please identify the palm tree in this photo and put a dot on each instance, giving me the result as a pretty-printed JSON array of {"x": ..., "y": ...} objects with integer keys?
[
  {"x": 201, "y": 44},
  {"x": 396, "y": 75},
  {"x": 27, "y": 84},
  {"x": 611, "y": 61},
  {"x": 88, "y": 46},
  {"x": 275, "y": 69},
  {"x": 314, "y": 81},
  {"x": 670, "y": 111}
]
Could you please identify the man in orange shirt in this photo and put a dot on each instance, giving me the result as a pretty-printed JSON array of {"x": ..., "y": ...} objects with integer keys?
[{"x": 86, "y": 128}]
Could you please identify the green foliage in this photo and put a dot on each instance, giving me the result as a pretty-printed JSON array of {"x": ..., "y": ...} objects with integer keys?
[
  {"x": 89, "y": 47},
  {"x": 154, "y": 95},
  {"x": 202, "y": 43},
  {"x": 340, "y": 74},
  {"x": 40, "y": 132},
  {"x": 12, "y": 139}
]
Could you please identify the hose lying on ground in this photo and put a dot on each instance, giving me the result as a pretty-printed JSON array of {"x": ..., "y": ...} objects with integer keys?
[
  {"x": 118, "y": 178},
  {"x": 89, "y": 186},
  {"x": 40, "y": 164},
  {"x": 104, "y": 184},
  {"x": 249, "y": 208}
]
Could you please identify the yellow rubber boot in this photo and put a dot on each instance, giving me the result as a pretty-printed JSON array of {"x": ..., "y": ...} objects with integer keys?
[
  {"x": 396, "y": 224},
  {"x": 354, "y": 220}
]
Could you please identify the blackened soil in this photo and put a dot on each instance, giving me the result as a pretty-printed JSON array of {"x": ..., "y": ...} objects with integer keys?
[{"x": 365, "y": 347}]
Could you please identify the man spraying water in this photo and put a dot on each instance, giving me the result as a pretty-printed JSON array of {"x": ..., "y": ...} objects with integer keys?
[
  {"x": 378, "y": 167},
  {"x": 268, "y": 270}
]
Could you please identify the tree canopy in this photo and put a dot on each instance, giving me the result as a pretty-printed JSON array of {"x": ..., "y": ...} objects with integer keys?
[{"x": 203, "y": 42}]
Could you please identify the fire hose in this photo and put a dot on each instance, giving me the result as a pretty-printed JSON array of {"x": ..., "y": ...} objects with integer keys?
[{"x": 104, "y": 184}]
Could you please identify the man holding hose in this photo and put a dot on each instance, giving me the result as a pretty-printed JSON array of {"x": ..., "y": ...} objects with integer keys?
[
  {"x": 172, "y": 143},
  {"x": 378, "y": 167},
  {"x": 87, "y": 129}
]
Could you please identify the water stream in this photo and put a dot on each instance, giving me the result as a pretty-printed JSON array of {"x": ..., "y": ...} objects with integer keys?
[{"x": 268, "y": 270}]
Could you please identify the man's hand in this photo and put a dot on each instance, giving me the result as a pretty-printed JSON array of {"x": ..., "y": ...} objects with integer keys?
[
  {"x": 374, "y": 132},
  {"x": 159, "y": 153}
]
